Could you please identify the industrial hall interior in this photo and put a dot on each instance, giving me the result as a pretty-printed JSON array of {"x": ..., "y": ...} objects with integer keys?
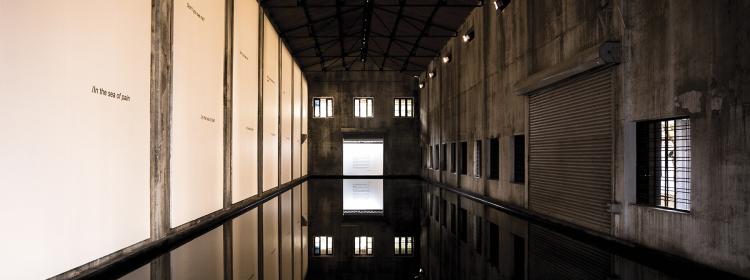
[{"x": 375, "y": 139}]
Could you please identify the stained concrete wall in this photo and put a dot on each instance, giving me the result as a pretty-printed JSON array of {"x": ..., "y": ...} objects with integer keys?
[
  {"x": 400, "y": 135},
  {"x": 679, "y": 59}
]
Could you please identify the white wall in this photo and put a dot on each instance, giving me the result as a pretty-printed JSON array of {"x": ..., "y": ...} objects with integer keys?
[
  {"x": 270, "y": 106},
  {"x": 245, "y": 100},
  {"x": 74, "y": 163},
  {"x": 197, "y": 110},
  {"x": 363, "y": 158}
]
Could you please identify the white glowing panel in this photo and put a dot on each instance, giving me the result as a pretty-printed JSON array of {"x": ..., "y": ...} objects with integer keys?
[
  {"x": 363, "y": 157},
  {"x": 270, "y": 106},
  {"x": 245, "y": 101},
  {"x": 287, "y": 70},
  {"x": 197, "y": 161},
  {"x": 363, "y": 194},
  {"x": 74, "y": 151}
]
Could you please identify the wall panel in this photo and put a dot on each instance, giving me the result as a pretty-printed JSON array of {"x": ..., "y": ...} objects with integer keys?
[
  {"x": 245, "y": 100},
  {"x": 271, "y": 239},
  {"x": 297, "y": 123},
  {"x": 297, "y": 231},
  {"x": 287, "y": 258},
  {"x": 270, "y": 106},
  {"x": 197, "y": 153},
  {"x": 305, "y": 110},
  {"x": 74, "y": 151},
  {"x": 201, "y": 258},
  {"x": 245, "y": 245},
  {"x": 305, "y": 241},
  {"x": 287, "y": 68}
]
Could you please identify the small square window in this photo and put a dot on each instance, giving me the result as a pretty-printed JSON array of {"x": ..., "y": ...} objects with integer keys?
[
  {"x": 363, "y": 246},
  {"x": 322, "y": 107},
  {"x": 363, "y": 107},
  {"x": 403, "y": 246},
  {"x": 403, "y": 107},
  {"x": 322, "y": 245},
  {"x": 664, "y": 163}
]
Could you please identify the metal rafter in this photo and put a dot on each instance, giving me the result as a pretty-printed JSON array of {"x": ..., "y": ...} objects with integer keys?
[
  {"x": 312, "y": 31},
  {"x": 366, "y": 28},
  {"x": 327, "y": 18},
  {"x": 392, "y": 36},
  {"x": 424, "y": 31},
  {"x": 428, "y": 23},
  {"x": 339, "y": 3}
]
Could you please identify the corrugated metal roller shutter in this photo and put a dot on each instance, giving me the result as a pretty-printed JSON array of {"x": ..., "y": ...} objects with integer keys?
[
  {"x": 570, "y": 150},
  {"x": 556, "y": 256}
]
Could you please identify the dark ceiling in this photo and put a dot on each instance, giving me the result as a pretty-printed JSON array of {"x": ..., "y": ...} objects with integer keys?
[{"x": 367, "y": 35}]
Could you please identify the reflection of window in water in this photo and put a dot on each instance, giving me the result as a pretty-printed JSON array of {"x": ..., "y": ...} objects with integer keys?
[
  {"x": 363, "y": 245},
  {"x": 402, "y": 246},
  {"x": 363, "y": 196}
]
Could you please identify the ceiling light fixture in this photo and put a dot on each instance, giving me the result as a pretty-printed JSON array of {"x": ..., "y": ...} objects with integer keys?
[
  {"x": 468, "y": 36},
  {"x": 421, "y": 85},
  {"x": 431, "y": 74},
  {"x": 446, "y": 58},
  {"x": 500, "y": 4}
]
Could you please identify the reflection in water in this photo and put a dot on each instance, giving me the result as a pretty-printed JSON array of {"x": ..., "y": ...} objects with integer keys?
[{"x": 422, "y": 232}]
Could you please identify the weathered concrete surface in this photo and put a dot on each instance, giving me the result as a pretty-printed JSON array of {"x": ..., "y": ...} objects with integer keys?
[
  {"x": 400, "y": 135},
  {"x": 680, "y": 58}
]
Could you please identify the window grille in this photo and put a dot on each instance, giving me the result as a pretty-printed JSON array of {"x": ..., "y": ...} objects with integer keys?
[
  {"x": 323, "y": 107},
  {"x": 323, "y": 245},
  {"x": 403, "y": 246},
  {"x": 403, "y": 107},
  {"x": 363, "y": 246},
  {"x": 363, "y": 107},
  {"x": 664, "y": 163}
]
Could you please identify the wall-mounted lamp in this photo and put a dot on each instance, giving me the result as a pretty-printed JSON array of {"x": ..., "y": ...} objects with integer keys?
[
  {"x": 421, "y": 85},
  {"x": 431, "y": 74},
  {"x": 501, "y": 4},
  {"x": 446, "y": 58},
  {"x": 468, "y": 36}
]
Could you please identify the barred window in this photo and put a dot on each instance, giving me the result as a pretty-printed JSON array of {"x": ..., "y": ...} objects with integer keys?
[
  {"x": 323, "y": 107},
  {"x": 363, "y": 246},
  {"x": 402, "y": 246},
  {"x": 403, "y": 107},
  {"x": 363, "y": 107},
  {"x": 323, "y": 245},
  {"x": 664, "y": 163}
]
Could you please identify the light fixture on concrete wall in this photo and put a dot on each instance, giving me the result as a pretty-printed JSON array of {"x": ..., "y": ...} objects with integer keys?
[
  {"x": 447, "y": 58},
  {"x": 468, "y": 36},
  {"x": 501, "y": 4},
  {"x": 421, "y": 84},
  {"x": 431, "y": 74}
]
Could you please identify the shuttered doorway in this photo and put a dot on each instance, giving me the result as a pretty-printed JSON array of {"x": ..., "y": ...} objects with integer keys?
[{"x": 570, "y": 150}]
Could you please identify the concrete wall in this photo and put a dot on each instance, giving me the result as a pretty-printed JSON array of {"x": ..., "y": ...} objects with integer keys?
[
  {"x": 400, "y": 135},
  {"x": 679, "y": 59}
]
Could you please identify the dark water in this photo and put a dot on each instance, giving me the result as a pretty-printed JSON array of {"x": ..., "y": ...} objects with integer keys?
[{"x": 452, "y": 237}]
